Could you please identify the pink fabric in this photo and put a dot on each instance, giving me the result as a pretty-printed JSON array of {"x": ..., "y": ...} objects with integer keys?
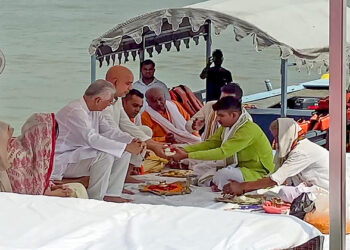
[{"x": 31, "y": 155}]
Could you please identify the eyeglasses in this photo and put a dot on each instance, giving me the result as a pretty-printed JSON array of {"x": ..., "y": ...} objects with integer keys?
[{"x": 112, "y": 102}]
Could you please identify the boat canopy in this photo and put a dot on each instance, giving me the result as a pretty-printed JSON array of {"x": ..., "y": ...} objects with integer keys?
[{"x": 298, "y": 28}]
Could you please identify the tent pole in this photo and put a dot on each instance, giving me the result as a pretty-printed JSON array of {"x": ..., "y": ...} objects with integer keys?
[
  {"x": 337, "y": 152},
  {"x": 284, "y": 71},
  {"x": 93, "y": 68},
  {"x": 208, "y": 42},
  {"x": 142, "y": 54}
]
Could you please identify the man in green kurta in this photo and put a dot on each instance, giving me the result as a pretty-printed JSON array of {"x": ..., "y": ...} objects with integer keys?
[{"x": 239, "y": 142}]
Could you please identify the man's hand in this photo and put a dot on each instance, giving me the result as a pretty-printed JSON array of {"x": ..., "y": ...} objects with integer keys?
[
  {"x": 144, "y": 146},
  {"x": 234, "y": 188},
  {"x": 158, "y": 149},
  {"x": 197, "y": 124},
  {"x": 210, "y": 61},
  {"x": 170, "y": 138},
  {"x": 204, "y": 73},
  {"x": 135, "y": 146},
  {"x": 180, "y": 154},
  {"x": 59, "y": 190}
]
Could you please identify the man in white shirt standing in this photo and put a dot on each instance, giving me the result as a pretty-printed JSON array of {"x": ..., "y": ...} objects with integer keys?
[
  {"x": 148, "y": 80},
  {"x": 87, "y": 145}
]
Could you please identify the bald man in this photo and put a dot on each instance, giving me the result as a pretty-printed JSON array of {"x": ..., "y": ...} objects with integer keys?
[
  {"x": 167, "y": 119},
  {"x": 122, "y": 79}
]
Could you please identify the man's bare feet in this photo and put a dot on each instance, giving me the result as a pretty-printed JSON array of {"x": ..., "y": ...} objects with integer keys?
[
  {"x": 214, "y": 188},
  {"x": 126, "y": 191},
  {"x": 116, "y": 199},
  {"x": 130, "y": 179}
]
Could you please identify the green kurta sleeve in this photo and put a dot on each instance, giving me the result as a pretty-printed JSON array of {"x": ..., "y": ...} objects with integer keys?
[
  {"x": 212, "y": 142},
  {"x": 241, "y": 139}
]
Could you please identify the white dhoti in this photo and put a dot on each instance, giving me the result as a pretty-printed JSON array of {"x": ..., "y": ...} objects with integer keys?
[
  {"x": 224, "y": 175},
  {"x": 204, "y": 170},
  {"x": 137, "y": 160},
  {"x": 107, "y": 174}
]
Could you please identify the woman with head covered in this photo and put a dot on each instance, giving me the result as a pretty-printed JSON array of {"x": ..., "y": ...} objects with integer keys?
[
  {"x": 297, "y": 161},
  {"x": 26, "y": 161}
]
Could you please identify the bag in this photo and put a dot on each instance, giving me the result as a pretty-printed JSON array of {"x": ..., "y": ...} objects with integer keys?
[
  {"x": 320, "y": 216},
  {"x": 301, "y": 205}
]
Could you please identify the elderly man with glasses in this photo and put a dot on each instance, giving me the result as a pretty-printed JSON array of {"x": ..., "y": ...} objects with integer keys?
[{"x": 87, "y": 145}]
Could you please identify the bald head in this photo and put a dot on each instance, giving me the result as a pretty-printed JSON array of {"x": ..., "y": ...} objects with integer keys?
[
  {"x": 155, "y": 98},
  {"x": 122, "y": 78}
]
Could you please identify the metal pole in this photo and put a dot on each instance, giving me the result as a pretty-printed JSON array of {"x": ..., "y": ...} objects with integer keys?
[
  {"x": 337, "y": 139},
  {"x": 142, "y": 54},
  {"x": 208, "y": 43},
  {"x": 284, "y": 71},
  {"x": 93, "y": 68}
]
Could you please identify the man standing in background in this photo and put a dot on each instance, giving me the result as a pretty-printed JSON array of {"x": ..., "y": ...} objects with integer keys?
[
  {"x": 216, "y": 76},
  {"x": 148, "y": 80}
]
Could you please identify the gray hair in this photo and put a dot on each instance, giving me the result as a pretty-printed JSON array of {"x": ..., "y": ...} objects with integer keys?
[
  {"x": 101, "y": 88},
  {"x": 151, "y": 91}
]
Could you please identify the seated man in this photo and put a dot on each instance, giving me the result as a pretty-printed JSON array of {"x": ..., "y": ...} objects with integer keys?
[
  {"x": 122, "y": 78},
  {"x": 167, "y": 119},
  {"x": 88, "y": 146},
  {"x": 239, "y": 141},
  {"x": 206, "y": 116},
  {"x": 132, "y": 104},
  {"x": 148, "y": 80}
]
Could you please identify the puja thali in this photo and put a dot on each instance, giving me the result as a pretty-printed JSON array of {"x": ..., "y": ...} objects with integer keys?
[
  {"x": 241, "y": 200},
  {"x": 178, "y": 173},
  {"x": 163, "y": 188}
]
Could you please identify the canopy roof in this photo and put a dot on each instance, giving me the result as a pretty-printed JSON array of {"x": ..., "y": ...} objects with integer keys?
[{"x": 296, "y": 27}]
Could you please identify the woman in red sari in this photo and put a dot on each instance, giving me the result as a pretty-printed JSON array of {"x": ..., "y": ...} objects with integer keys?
[{"x": 26, "y": 161}]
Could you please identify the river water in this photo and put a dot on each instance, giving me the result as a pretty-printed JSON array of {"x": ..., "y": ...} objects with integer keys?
[{"x": 46, "y": 43}]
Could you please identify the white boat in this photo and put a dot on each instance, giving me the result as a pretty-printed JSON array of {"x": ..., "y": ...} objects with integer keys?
[
  {"x": 81, "y": 224},
  {"x": 299, "y": 29}
]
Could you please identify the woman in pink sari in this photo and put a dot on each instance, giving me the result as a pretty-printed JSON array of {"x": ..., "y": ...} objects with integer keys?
[{"x": 26, "y": 161}]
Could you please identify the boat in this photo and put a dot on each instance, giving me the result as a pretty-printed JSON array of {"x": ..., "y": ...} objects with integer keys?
[
  {"x": 159, "y": 30},
  {"x": 300, "y": 31}
]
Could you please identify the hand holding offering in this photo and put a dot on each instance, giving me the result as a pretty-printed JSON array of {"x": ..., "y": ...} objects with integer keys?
[
  {"x": 169, "y": 151},
  {"x": 197, "y": 124},
  {"x": 170, "y": 138}
]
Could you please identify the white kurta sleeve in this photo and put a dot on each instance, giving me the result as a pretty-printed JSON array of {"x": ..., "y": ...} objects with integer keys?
[
  {"x": 127, "y": 126},
  {"x": 84, "y": 132},
  {"x": 113, "y": 132},
  {"x": 200, "y": 115},
  {"x": 295, "y": 163}
]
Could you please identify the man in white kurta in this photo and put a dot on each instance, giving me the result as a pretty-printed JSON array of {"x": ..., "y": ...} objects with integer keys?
[
  {"x": 122, "y": 78},
  {"x": 88, "y": 145},
  {"x": 206, "y": 116}
]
